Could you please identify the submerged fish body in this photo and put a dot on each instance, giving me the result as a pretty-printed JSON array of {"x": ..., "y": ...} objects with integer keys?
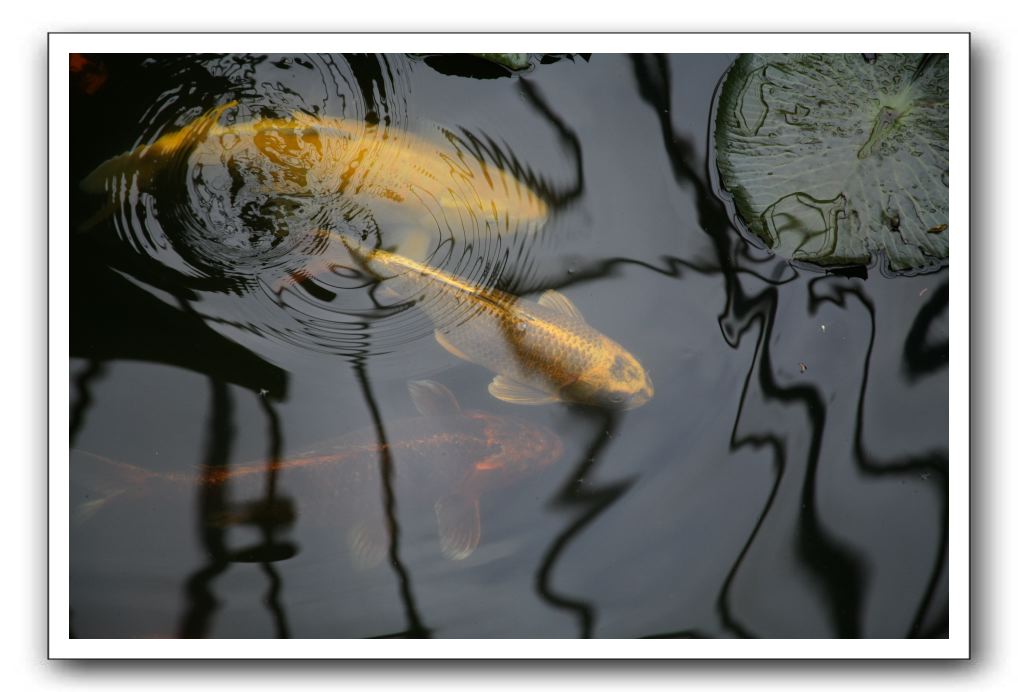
[
  {"x": 541, "y": 352},
  {"x": 306, "y": 155},
  {"x": 446, "y": 458}
]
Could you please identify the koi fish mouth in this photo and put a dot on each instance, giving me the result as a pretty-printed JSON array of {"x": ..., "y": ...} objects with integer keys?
[
  {"x": 622, "y": 400},
  {"x": 642, "y": 396}
]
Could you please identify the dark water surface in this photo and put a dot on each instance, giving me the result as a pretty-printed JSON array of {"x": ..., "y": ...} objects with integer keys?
[{"x": 788, "y": 478}]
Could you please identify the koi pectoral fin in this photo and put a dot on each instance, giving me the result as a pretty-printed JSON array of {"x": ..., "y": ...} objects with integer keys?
[
  {"x": 387, "y": 292},
  {"x": 432, "y": 398},
  {"x": 444, "y": 342},
  {"x": 459, "y": 525},
  {"x": 513, "y": 392}
]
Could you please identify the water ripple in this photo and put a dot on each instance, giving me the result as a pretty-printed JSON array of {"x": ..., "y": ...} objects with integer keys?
[{"x": 247, "y": 173}]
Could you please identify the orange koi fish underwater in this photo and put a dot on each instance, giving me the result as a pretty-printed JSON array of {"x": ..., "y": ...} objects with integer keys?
[{"x": 445, "y": 457}]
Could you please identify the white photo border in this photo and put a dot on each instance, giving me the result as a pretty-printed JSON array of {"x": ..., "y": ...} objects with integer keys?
[{"x": 957, "y": 646}]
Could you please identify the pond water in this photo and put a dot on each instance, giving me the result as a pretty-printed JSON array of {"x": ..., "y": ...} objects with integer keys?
[{"x": 248, "y": 461}]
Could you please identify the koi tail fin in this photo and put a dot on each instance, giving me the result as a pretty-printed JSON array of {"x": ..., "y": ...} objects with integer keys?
[
  {"x": 147, "y": 160},
  {"x": 98, "y": 217},
  {"x": 95, "y": 183},
  {"x": 102, "y": 181}
]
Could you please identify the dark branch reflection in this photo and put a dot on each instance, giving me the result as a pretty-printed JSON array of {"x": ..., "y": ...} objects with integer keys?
[
  {"x": 267, "y": 522},
  {"x": 415, "y": 626},
  {"x": 577, "y": 494},
  {"x": 840, "y": 571},
  {"x": 922, "y": 357},
  {"x": 933, "y": 465},
  {"x": 83, "y": 385},
  {"x": 213, "y": 505},
  {"x": 679, "y": 634},
  {"x": 202, "y": 604},
  {"x": 559, "y": 199},
  {"x": 653, "y": 78}
]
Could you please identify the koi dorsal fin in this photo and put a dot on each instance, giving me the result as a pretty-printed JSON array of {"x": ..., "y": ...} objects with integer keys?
[
  {"x": 553, "y": 300},
  {"x": 432, "y": 399},
  {"x": 459, "y": 525}
]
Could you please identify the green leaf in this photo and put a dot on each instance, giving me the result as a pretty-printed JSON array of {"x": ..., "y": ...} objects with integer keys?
[{"x": 833, "y": 158}]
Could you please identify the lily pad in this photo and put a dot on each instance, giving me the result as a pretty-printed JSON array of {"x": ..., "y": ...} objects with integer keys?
[
  {"x": 514, "y": 61},
  {"x": 491, "y": 65},
  {"x": 834, "y": 158}
]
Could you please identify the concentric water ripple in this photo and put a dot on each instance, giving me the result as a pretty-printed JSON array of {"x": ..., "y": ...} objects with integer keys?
[{"x": 247, "y": 175}]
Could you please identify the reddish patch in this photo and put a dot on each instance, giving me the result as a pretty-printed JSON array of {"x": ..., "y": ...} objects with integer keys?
[{"x": 87, "y": 75}]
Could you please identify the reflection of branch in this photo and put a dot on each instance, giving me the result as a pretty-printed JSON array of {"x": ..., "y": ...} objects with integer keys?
[
  {"x": 108, "y": 282},
  {"x": 654, "y": 82},
  {"x": 920, "y": 357},
  {"x": 415, "y": 627},
  {"x": 680, "y": 634},
  {"x": 272, "y": 601},
  {"x": 672, "y": 266},
  {"x": 595, "y": 501},
  {"x": 96, "y": 368},
  {"x": 559, "y": 199},
  {"x": 840, "y": 570},
  {"x": 211, "y": 502},
  {"x": 779, "y": 457},
  {"x": 932, "y": 465}
]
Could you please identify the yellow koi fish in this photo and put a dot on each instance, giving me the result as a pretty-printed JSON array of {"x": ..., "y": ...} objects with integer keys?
[
  {"x": 304, "y": 155},
  {"x": 541, "y": 352}
]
